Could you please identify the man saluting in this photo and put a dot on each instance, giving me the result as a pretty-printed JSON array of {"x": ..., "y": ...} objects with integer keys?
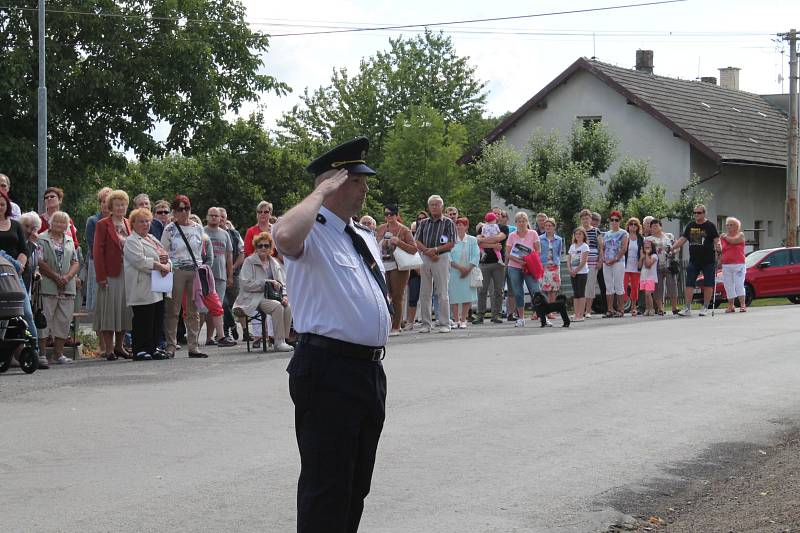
[{"x": 336, "y": 379}]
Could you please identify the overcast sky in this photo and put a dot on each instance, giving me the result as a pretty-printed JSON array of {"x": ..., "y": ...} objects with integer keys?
[{"x": 516, "y": 66}]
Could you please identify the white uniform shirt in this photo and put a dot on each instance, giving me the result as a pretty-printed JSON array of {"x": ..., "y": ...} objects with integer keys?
[{"x": 332, "y": 291}]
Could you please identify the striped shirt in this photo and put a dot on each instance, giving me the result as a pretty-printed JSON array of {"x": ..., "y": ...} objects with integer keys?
[
  {"x": 432, "y": 233},
  {"x": 592, "y": 234}
]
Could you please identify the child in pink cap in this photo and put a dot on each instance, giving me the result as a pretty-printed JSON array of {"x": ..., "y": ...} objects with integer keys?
[{"x": 490, "y": 228}]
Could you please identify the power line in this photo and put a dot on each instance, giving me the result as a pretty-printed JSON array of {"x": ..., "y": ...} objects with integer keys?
[
  {"x": 336, "y": 29},
  {"x": 493, "y": 19}
]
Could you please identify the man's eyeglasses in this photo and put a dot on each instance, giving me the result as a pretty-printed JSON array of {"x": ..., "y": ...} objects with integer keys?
[
  {"x": 263, "y": 246},
  {"x": 182, "y": 209},
  {"x": 162, "y": 212}
]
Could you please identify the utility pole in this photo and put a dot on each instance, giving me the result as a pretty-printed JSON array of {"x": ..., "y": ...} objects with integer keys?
[
  {"x": 791, "y": 159},
  {"x": 41, "y": 117}
]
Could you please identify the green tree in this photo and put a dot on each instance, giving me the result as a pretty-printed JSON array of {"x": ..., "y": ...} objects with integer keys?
[
  {"x": 421, "y": 150},
  {"x": 592, "y": 143},
  {"x": 629, "y": 180},
  {"x": 114, "y": 78},
  {"x": 422, "y": 70},
  {"x": 652, "y": 202},
  {"x": 690, "y": 195},
  {"x": 502, "y": 169},
  {"x": 568, "y": 190}
]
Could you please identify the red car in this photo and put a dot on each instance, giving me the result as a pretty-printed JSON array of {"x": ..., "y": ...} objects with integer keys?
[{"x": 770, "y": 273}]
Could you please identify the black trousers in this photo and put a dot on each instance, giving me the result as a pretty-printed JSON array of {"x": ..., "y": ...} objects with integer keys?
[
  {"x": 339, "y": 413},
  {"x": 148, "y": 326}
]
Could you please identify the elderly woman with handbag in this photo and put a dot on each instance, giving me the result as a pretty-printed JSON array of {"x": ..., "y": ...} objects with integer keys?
[
  {"x": 59, "y": 267},
  {"x": 262, "y": 287},
  {"x": 465, "y": 276},
  {"x": 143, "y": 255},
  {"x": 393, "y": 235}
]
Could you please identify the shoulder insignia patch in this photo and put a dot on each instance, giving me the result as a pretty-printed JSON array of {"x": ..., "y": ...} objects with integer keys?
[{"x": 321, "y": 218}]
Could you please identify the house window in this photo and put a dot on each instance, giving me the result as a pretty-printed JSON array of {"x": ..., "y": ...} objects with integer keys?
[
  {"x": 758, "y": 229},
  {"x": 588, "y": 121},
  {"x": 721, "y": 222},
  {"x": 770, "y": 228}
]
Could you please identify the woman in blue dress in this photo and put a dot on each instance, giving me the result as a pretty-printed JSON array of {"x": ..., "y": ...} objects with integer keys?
[{"x": 463, "y": 258}]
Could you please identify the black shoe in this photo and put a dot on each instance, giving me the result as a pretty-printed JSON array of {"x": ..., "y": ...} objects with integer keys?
[
  {"x": 211, "y": 342},
  {"x": 511, "y": 318},
  {"x": 496, "y": 321},
  {"x": 226, "y": 342},
  {"x": 478, "y": 320},
  {"x": 198, "y": 355}
]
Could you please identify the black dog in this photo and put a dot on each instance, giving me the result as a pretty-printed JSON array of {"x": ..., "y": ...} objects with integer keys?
[{"x": 543, "y": 307}]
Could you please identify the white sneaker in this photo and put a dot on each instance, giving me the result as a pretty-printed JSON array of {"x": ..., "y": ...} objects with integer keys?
[
  {"x": 409, "y": 327},
  {"x": 453, "y": 324},
  {"x": 703, "y": 311},
  {"x": 686, "y": 311},
  {"x": 547, "y": 323},
  {"x": 63, "y": 360},
  {"x": 462, "y": 325},
  {"x": 283, "y": 347},
  {"x": 588, "y": 315},
  {"x": 444, "y": 329},
  {"x": 394, "y": 333},
  {"x": 520, "y": 323},
  {"x": 424, "y": 329}
]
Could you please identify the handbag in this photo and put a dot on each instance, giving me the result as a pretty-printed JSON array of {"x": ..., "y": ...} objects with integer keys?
[
  {"x": 476, "y": 278},
  {"x": 405, "y": 260},
  {"x": 271, "y": 293},
  {"x": 202, "y": 276},
  {"x": 39, "y": 320}
]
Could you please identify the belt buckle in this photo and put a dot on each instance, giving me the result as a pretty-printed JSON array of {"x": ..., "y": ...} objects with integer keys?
[{"x": 378, "y": 354}]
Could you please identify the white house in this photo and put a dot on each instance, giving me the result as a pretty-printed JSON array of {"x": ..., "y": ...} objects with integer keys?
[{"x": 734, "y": 140}]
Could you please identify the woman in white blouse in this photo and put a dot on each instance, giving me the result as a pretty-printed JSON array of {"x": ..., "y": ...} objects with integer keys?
[
  {"x": 142, "y": 255},
  {"x": 262, "y": 276}
]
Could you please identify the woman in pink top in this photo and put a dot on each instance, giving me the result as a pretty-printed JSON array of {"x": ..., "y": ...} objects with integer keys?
[
  {"x": 520, "y": 243},
  {"x": 733, "y": 268}
]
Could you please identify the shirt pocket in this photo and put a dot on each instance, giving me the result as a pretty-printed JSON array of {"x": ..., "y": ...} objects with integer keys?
[{"x": 348, "y": 275}]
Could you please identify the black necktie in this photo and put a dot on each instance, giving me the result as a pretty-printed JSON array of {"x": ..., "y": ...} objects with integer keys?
[{"x": 363, "y": 250}]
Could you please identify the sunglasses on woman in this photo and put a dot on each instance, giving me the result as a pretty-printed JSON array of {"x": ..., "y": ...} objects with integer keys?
[
  {"x": 182, "y": 209},
  {"x": 614, "y": 219},
  {"x": 262, "y": 246}
]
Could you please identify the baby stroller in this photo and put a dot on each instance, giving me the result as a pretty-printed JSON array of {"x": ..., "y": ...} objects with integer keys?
[{"x": 13, "y": 327}]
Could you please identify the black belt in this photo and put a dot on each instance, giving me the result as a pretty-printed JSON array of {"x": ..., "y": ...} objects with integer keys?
[{"x": 343, "y": 348}]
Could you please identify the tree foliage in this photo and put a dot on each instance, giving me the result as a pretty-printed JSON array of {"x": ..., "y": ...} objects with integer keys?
[
  {"x": 592, "y": 143},
  {"x": 421, "y": 150},
  {"x": 629, "y": 181},
  {"x": 113, "y": 78},
  {"x": 420, "y": 71}
]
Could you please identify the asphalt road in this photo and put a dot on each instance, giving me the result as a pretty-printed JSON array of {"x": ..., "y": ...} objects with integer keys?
[{"x": 492, "y": 429}]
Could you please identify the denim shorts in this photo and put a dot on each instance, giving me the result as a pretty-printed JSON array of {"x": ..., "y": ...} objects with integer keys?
[{"x": 709, "y": 272}]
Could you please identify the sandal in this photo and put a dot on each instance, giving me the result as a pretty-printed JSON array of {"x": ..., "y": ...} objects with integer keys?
[
  {"x": 608, "y": 315},
  {"x": 618, "y": 314}
]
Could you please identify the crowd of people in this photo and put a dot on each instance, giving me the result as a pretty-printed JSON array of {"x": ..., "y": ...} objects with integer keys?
[{"x": 153, "y": 275}]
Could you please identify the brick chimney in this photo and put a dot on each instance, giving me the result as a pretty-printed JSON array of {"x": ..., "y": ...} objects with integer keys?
[
  {"x": 709, "y": 79},
  {"x": 644, "y": 61},
  {"x": 729, "y": 77}
]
